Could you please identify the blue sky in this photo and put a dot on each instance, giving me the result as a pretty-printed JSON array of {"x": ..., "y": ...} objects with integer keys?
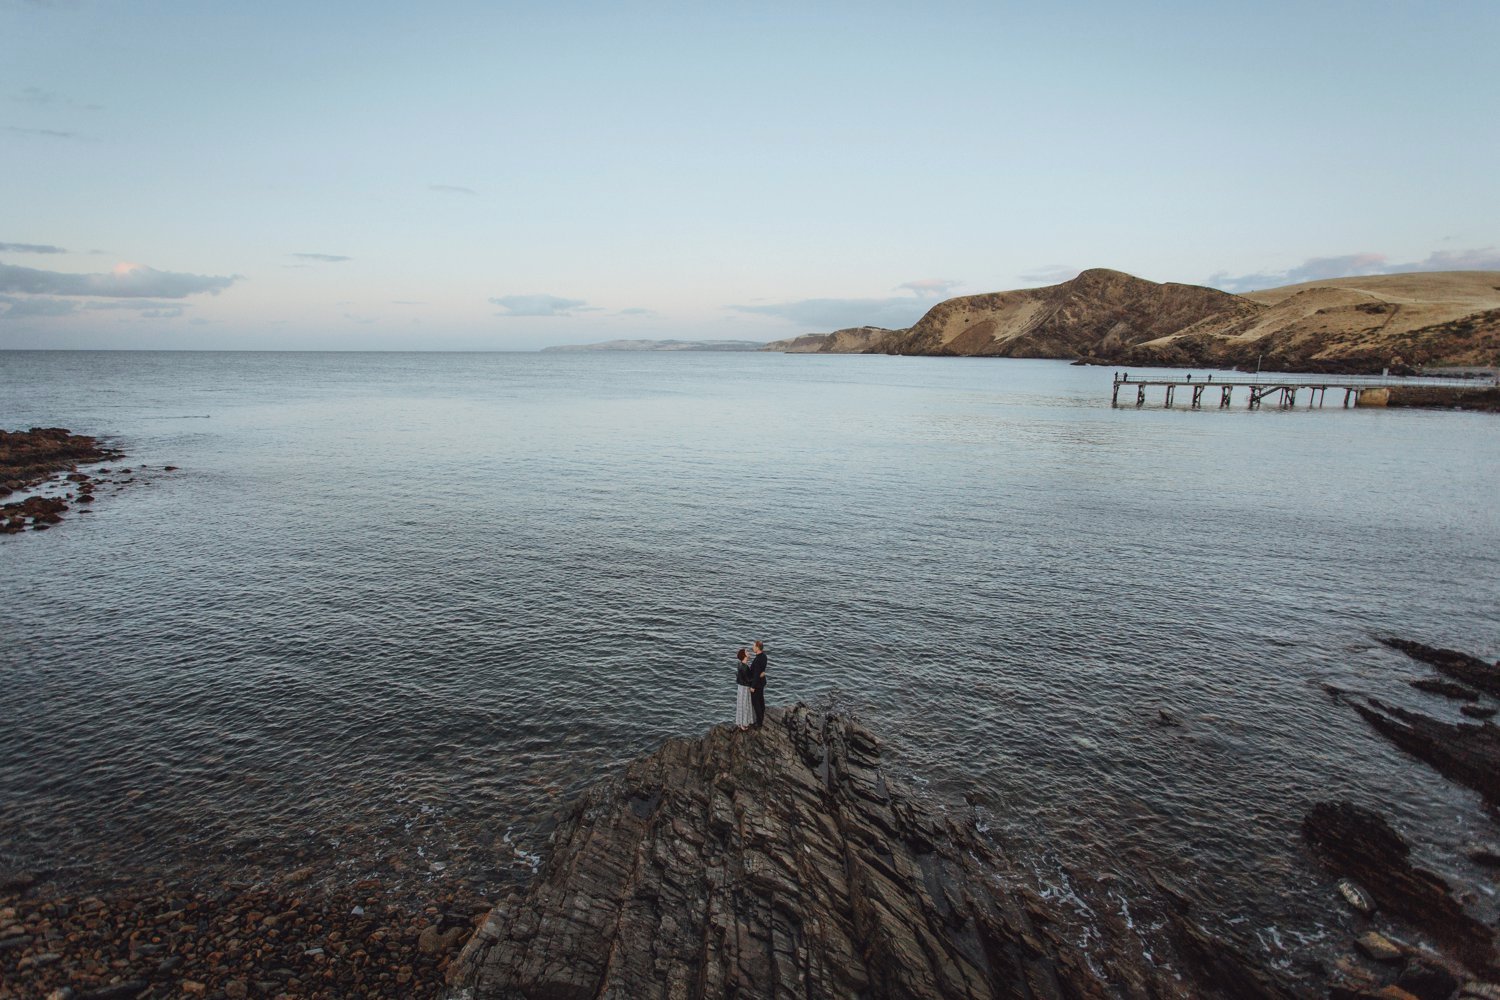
[{"x": 499, "y": 176}]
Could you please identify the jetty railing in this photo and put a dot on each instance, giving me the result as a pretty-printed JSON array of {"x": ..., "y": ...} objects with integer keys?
[{"x": 1284, "y": 388}]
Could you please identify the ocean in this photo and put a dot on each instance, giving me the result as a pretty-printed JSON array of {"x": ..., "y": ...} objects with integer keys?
[{"x": 394, "y": 610}]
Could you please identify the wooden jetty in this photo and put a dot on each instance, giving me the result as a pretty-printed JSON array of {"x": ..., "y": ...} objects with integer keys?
[{"x": 1284, "y": 391}]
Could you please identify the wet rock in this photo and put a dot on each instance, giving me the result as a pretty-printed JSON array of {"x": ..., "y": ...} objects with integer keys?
[
  {"x": 1478, "y": 711},
  {"x": 128, "y": 990},
  {"x": 31, "y": 457},
  {"x": 1461, "y": 667},
  {"x": 1167, "y": 719},
  {"x": 1355, "y": 895},
  {"x": 1446, "y": 688},
  {"x": 1427, "y": 982},
  {"x": 1379, "y": 947},
  {"x": 1468, "y": 754},
  {"x": 787, "y": 862},
  {"x": 1484, "y": 854},
  {"x": 1358, "y": 843}
]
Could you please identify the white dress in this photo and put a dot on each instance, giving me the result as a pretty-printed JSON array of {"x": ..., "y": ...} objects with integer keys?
[{"x": 744, "y": 711}]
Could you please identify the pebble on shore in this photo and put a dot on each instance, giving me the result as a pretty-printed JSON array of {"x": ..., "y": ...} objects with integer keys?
[{"x": 239, "y": 942}]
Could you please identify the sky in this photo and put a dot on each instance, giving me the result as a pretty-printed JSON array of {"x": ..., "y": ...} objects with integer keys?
[{"x": 497, "y": 176}]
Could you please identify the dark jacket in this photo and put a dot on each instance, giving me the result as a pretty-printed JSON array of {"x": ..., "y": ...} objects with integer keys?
[
  {"x": 742, "y": 675},
  {"x": 758, "y": 670}
]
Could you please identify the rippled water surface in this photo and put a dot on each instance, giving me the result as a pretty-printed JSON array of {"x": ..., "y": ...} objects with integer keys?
[{"x": 395, "y": 608}]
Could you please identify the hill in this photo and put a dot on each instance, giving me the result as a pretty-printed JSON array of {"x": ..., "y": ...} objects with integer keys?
[
  {"x": 1109, "y": 317},
  {"x": 854, "y": 340}
]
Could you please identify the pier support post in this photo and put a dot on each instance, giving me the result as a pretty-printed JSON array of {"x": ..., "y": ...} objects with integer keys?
[
  {"x": 1169, "y": 396},
  {"x": 1224, "y": 395},
  {"x": 1114, "y": 399},
  {"x": 1140, "y": 396},
  {"x": 1198, "y": 396}
]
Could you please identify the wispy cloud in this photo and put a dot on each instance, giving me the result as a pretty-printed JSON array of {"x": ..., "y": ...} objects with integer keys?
[
  {"x": 1050, "y": 274},
  {"x": 30, "y": 248},
  {"x": 837, "y": 314},
  {"x": 322, "y": 258},
  {"x": 49, "y": 132},
  {"x": 43, "y": 306},
  {"x": 452, "y": 189},
  {"x": 930, "y": 288},
  {"x": 1356, "y": 265},
  {"x": 30, "y": 308},
  {"x": 636, "y": 311},
  {"x": 126, "y": 281},
  {"x": 538, "y": 305},
  {"x": 37, "y": 97}
]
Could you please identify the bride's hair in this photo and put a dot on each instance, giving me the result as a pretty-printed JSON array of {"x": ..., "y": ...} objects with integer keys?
[{"x": 741, "y": 654}]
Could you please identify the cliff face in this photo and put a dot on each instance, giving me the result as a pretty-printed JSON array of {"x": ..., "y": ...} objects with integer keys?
[
  {"x": 785, "y": 862},
  {"x": 1339, "y": 325},
  {"x": 854, "y": 340}
]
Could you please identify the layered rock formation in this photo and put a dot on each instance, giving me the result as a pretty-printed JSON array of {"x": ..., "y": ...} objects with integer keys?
[
  {"x": 854, "y": 340},
  {"x": 785, "y": 862},
  {"x": 1357, "y": 843},
  {"x": 1346, "y": 325}
]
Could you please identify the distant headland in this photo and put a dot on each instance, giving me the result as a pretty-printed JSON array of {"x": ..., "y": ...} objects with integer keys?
[
  {"x": 664, "y": 345},
  {"x": 1400, "y": 322}
]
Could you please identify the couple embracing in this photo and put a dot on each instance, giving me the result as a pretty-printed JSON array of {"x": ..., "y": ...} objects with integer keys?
[{"x": 750, "y": 676}]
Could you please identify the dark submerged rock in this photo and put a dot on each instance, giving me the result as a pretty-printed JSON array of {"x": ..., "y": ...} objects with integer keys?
[
  {"x": 1462, "y": 667},
  {"x": 1466, "y": 753},
  {"x": 1448, "y": 689}
]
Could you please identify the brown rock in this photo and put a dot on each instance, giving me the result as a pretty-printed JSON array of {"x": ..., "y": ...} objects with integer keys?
[
  {"x": 1358, "y": 843},
  {"x": 1379, "y": 947}
]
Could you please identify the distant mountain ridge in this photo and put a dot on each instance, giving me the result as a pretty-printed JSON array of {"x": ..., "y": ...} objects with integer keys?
[
  {"x": 663, "y": 345},
  {"x": 1109, "y": 317}
]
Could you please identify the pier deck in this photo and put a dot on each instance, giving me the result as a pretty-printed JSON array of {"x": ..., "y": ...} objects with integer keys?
[{"x": 1284, "y": 390}]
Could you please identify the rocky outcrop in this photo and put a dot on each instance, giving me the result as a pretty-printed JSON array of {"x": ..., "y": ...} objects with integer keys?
[
  {"x": 1468, "y": 670},
  {"x": 1468, "y": 753},
  {"x": 1358, "y": 844},
  {"x": 1441, "y": 398},
  {"x": 785, "y": 862},
  {"x": 31, "y": 457}
]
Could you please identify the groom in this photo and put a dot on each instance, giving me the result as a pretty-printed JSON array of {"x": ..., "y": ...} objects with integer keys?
[{"x": 758, "y": 690}]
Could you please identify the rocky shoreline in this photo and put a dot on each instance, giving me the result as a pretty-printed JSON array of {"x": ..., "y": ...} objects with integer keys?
[
  {"x": 239, "y": 941},
  {"x": 789, "y": 861},
  {"x": 49, "y": 455}
]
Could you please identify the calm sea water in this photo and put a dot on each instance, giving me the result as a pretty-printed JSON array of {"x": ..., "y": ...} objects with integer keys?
[{"x": 396, "y": 608}]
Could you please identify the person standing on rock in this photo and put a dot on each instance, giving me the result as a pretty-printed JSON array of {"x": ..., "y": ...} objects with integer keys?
[
  {"x": 744, "y": 710},
  {"x": 758, "y": 681}
]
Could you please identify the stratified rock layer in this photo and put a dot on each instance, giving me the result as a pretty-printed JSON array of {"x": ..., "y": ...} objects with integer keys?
[
  {"x": 1358, "y": 843},
  {"x": 784, "y": 863}
]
